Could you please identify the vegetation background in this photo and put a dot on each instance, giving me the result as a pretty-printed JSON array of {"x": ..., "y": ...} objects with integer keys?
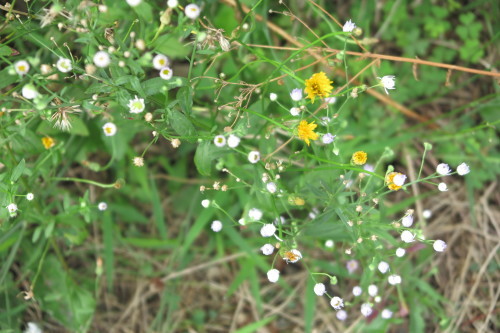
[{"x": 163, "y": 269}]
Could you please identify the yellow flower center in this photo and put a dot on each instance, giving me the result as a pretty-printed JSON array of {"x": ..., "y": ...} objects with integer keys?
[{"x": 21, "y": 68}]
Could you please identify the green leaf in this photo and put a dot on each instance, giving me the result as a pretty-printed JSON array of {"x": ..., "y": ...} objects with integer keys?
[
  {"x": 5, "y": 51},
  {"x": 185, "y": 97},
  {"x": 203, "y": 158},
  {"x": 170, "y": 44},
  {"x": 18, "y": 171},
  {"x": 182, "y": 125},
  {"x": 254, "y": 327}
]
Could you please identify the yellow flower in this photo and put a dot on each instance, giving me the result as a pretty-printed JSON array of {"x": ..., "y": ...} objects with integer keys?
[
  {"x": 306, "y": 131},
  {"x": 389, "y": 180},
  {"x": 318, "y": 85},
  {"x": 359, "y": 158},
  {"x": 48, "y": 142}
]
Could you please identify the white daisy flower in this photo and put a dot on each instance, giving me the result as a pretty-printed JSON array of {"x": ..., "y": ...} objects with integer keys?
[
  {"x": 273, "y": 97},
  {"x": 29, "y": 91},
  {"x": 109, "y": 129},
  {"x": 134, "y": 3},
  {"x": 271, "y": 187},
  {"x": 64, "y": 65},
  {"x": 328, "y": 138},
  {"x": 386, "y": 314},
  {"x": 220, "y": 141},
  {"x": 407, "y": 220},
  {"x": 443, "y": 169},
  {"x": 172, "y": 3},
  {"x": 349, "y": 26},
  {"x": 366, "y": 309},
  {"x": 30, "y": 196},
  {"x": 394, "y": 279},
  {"x": 233, "y": 141},
  {"x": 407, "y": 236},
  {"x": 341, "y": 315},
  {"x": 337, "y": 303},
  {"x": 292, "y": 256},
  {"x": 12, "y": 208},
  {"x": 136, "y": 105},
  {"x": 216, "y": 226},
  {"x": 22, "y": 67},
  {"x": 273, "y": 275},
  {"x": 294, "y": 111},
  {"x": 102, "y": 206},
  {"x": 166, "y": 73},
  {"x": 253, "y": 156},
  {"x": 439, "y": 245},
  {"x": 255, "y": 214},
  {"x": 296, "y": 94},
  {"x": 319, "y": 289},
  {"x": 356, "y": 291},
  {"x": 352, "y": 265},
  {"x": 160, "y": 61},
  {"x": 400, "y": 252},
  {"x": 268, "y": 230},
  {"x": 372, "y": 290},
  {"x": 205, "y": 203},
  {"x": 463, "y": 169},
  {"x": 388, "y": 82},
  {"x": 102, "y": 59},
  {"x": 267, "y": 249},
  {"x": 442, "y": 187},
  {"x": 383, "y": 267},
  {"x": 192, "y": 11},
  {"x": 399, "y": 179}
]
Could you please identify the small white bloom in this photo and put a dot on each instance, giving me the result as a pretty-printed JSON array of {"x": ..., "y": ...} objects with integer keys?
[
  {"x": 388, "y": 82},
  {"x": 273, "y": 275},
  {"x": 349, "y": 26},
  {"x": 192, "y": 11},
  {"x": 442, "y": 187},
  {"x": 102, "y": 59},
  {"x": 64, "y": 65},
  {"x": 407, "y": 220},
  {"x": 294, "y": 111},
  {"x": 22, "y": 67},
  {"x": 328, "y": 138},
  {"x": 109, "y": 129},
  {"x": 319, "y": 289},
  {"x": 216, "y": 226},
  {"x": 205, "y": 203},
  {"x": 329, "y": 243},
  {"x": 369, "y": 167},
  {"x": 400, "y": 252},
  {"x": 267, "y": 249},
  {"x": 273, "y": 97},
  {"x": 253, "y": 156},
  {"x": 383, "y": 267},
  {"x": 279, "y": 220},
  {"x": 160, "y": 61},
  {"x": 30, "y": 196},
  {"x": 330, "y": 100},
  {"x": 356, "y": 291},
  {"x": 242, "y": 221},
  {"x": 399, "y": 179},
  {"x": 377, "y": 299},
  {"x": 102, "y": 206},
  {"x": 296, "y": 94},
  {"x": 138, "y": 161},
  {"x": 443, "y": 169},
  {"x": 292, "y": 256},
  {"x": 29, "y": 91},
  {"x": 32, "y": 328},
  {"x": 134, "y": 3},
  {"x": 268, "y": 230},
  {"x": 372, "y": 290},
  {"x": 12, "y": 208},
  {"x": 341, "y": 315},
  {"x": 337, "y": 303},
  {"x": 271, "y": 187},
  {"x": 439, "y": 245},
  {"x": 220, "y": 140},
  {"x": 166, "y": 73},
  {"x": 463, "y": 169},
  {"x": 255, "y": 214},
  {"x": 233, "y": 141},
  {"x": 394, "y": 279},
  {"x": 136, "y": 105},
  {"x": 172, "y": 3},
  {"x": 352, "y": 265},
  {"x": 366, "y": 309},
  {"x": 386, "y": 314},
  {"x": 427, "y": 213},
  {"x": 407, "y": 236}
]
